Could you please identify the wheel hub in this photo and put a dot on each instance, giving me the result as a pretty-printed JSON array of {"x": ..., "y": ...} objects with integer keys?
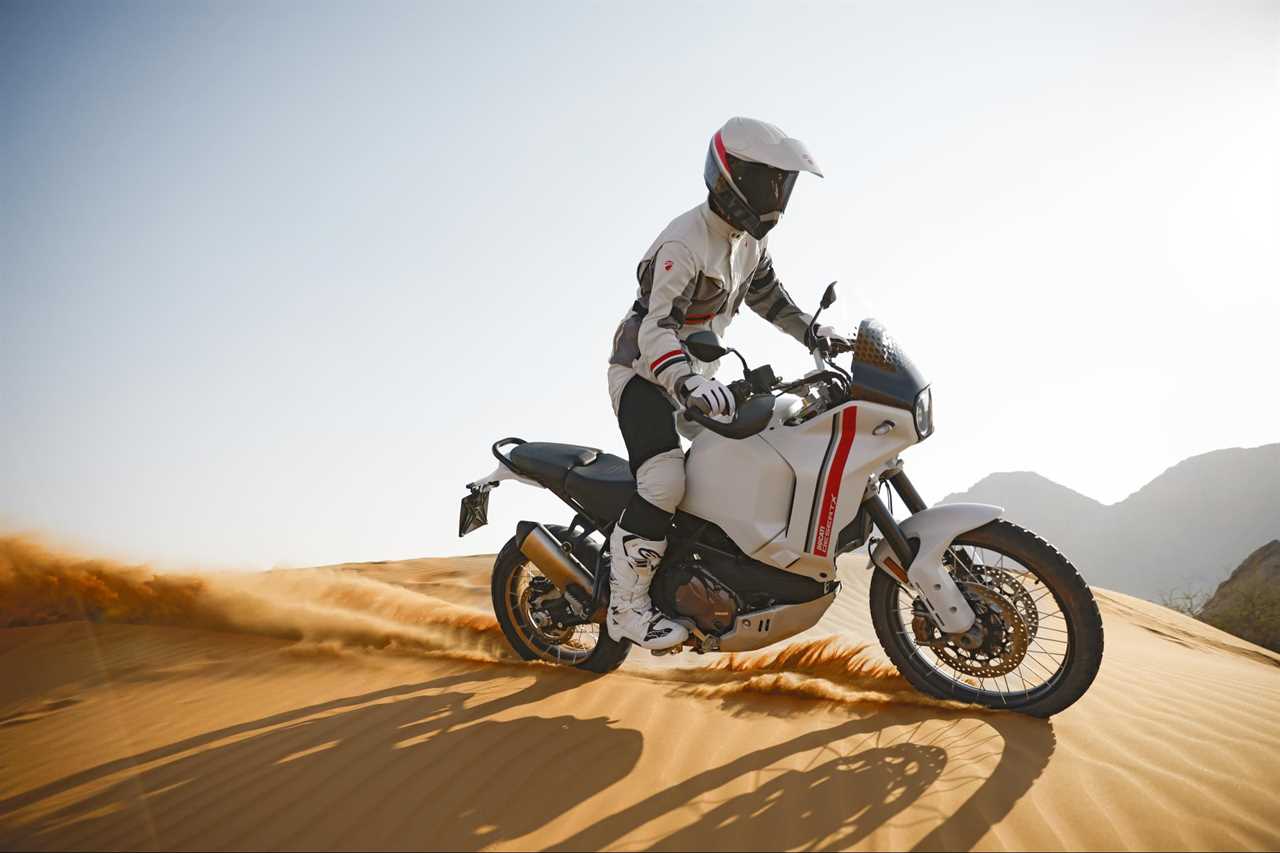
[
  {"x": 534, "y": 601},
  {"x": 994, "y": 646},
  {"x": 1012, "y": 589}
]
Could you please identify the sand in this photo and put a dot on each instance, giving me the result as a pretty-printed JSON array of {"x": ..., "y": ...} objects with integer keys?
[{"x": 376, "y": 706}]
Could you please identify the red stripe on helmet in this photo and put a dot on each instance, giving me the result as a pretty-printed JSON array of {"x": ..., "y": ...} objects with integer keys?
[{"x": 720, "y": 152}]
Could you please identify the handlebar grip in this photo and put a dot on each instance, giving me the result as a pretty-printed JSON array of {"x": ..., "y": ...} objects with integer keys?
[
  {"x": 699, "y": 404},
  {"x": 698, "y": 416},
  {"x": 698, "y": 410}
]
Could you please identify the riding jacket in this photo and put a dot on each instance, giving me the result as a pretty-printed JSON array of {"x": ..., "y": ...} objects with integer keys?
[{"x": 695, "y": 276}]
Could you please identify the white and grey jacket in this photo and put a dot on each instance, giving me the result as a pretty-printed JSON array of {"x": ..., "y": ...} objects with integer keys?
[{"x": 695, "y": 276}]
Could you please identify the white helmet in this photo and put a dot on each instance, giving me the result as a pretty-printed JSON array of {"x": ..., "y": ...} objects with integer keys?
[{"x": 750, "y": 172}]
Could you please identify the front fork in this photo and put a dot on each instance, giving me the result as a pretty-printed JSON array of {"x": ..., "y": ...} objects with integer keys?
[{"x": 916, "y": 561}]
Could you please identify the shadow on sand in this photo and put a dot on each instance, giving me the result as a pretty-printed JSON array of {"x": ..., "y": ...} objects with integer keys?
[
  {"x": 462, "y": 769},
  {"x": 864, "y": 774}
]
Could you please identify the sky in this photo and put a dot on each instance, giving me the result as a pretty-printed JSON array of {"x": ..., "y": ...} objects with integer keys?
[{"x": 273, "y": 276}]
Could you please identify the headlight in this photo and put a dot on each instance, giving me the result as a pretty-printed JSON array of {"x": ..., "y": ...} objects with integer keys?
[{"x": 924, "y": 413}]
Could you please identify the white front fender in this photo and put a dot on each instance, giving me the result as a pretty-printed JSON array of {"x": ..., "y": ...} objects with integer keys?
[{"x": 936, "y": 528}]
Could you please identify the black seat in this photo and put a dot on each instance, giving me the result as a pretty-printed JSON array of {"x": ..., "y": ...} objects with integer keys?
[
  {"x": 603, "y": 487},
  {"x": 547, "y": 462}
]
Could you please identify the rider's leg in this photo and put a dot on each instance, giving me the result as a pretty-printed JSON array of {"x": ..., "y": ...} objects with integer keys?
[{"x": 639, "y": 540}]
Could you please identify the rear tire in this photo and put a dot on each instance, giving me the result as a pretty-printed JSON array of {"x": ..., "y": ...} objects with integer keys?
[
  {"x": 525, "y": 638},
  {"x": 1072, "y": 596}
]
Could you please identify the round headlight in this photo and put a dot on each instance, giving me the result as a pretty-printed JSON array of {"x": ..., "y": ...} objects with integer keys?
[{"x": 924, "y": 413}]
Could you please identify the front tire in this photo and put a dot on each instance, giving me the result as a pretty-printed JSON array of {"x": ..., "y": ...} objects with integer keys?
[
  {"x": 587, "y": 647},
  {"x": 1062, "y": 656}
]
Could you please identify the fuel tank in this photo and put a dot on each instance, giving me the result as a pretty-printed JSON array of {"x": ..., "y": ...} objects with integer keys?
[{"x": 743, "y": 486}]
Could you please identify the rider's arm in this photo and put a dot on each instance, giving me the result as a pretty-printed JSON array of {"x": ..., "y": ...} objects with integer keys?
[
  {"x": 767, "y": 297},
  {"x": 675, "y": 274}
]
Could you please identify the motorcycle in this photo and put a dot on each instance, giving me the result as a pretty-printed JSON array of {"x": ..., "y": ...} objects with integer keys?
[{"x": 966, "y": 604}]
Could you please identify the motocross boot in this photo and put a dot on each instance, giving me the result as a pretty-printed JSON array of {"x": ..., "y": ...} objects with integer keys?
[{"x": 632, "y": 615}]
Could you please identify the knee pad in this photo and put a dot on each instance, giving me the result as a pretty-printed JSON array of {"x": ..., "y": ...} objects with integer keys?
[{"x": 660, "y": 480}]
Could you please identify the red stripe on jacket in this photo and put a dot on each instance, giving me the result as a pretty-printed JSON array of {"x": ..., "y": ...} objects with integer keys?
[{"x": 664, "y": 357}]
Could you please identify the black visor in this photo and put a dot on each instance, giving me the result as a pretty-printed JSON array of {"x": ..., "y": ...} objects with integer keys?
[{"x": 767, "y": 189}]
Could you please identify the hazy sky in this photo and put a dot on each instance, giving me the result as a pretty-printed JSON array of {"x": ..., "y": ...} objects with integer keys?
[{"x": 274, "y": 275}]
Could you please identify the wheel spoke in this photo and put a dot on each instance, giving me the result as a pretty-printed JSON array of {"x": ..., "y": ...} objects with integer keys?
[
  {"x": 543, "y": 634},
  {"x": 1015, "y": 596}
]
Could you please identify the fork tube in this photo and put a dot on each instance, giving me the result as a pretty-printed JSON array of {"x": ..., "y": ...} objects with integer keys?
[
  {"x": 907, "y": 491},
  {"x": 890, "y": 530}
]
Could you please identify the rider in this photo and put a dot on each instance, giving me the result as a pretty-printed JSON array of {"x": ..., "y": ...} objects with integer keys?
[{"x": 695, "y": 276}]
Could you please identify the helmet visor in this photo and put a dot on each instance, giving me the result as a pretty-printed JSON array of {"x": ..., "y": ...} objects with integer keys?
[{"x": 765, "y": 188}]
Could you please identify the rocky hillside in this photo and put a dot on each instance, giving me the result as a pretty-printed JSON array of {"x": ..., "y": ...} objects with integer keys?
[{"x": 1247, "y": 604}]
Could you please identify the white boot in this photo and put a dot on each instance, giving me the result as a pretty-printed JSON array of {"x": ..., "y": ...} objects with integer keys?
[{"x": 632, "y": 615}]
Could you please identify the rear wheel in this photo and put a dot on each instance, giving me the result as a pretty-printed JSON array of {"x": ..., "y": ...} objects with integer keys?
[
  {"x": 1041, "y": 630},
  {"x": 536, "y": 619}
]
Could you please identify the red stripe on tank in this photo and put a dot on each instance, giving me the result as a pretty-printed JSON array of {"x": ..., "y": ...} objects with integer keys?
[{"x": 831, "y": 494}]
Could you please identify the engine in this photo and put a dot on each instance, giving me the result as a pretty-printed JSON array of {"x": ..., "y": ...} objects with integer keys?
[
  {"x": 712, "y": 588},
  {"x": 707, "y": 602}
]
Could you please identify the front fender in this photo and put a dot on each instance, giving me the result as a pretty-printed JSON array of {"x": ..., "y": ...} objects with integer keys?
[{"x": 935, "y": 529}]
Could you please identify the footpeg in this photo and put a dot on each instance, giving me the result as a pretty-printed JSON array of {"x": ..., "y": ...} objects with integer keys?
[{"x": 706, "y": 642}]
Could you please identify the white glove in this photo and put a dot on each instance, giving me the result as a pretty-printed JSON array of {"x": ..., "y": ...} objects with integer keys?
[
  {"x": 717, "y": 399},
  {"x": 831, "y": 335}
]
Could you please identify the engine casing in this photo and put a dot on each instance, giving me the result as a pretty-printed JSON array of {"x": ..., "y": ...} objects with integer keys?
[{"x": 711, "y": 582}]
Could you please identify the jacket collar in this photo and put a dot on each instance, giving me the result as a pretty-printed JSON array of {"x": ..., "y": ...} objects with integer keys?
[{"x": 717, "y": 225}]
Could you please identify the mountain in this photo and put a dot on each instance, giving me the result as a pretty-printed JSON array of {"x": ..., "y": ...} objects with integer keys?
[
  {"x": 1247, "y": 604},
  {"x": 1185, "y": 529}
]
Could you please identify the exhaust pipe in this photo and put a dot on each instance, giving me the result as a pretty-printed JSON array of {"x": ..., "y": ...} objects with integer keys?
[{"x": 560, "y": 567}]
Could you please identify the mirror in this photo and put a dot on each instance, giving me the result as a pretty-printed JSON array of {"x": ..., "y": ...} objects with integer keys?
[
  {"x": 705, "y": 346},
  {"x": 829, "y": 295}
]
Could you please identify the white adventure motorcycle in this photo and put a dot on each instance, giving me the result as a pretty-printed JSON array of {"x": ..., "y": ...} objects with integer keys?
[{"x": 966, "y": 604}]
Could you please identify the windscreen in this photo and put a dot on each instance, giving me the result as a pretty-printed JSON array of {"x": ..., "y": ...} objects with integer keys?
[{"x": 882, "y": 373}]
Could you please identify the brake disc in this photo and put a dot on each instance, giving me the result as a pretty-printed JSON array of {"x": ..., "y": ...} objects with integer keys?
[
  {"x": 1011, "y": 588},
  {"x": 1006, "y": 641}
]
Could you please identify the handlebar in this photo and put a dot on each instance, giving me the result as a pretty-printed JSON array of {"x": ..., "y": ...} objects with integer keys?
[{"x": 754, "y": 395}]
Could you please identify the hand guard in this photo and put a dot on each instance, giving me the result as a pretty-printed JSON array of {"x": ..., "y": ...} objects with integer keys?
[
  {"x": 711, "y": 396},
  {"x": 835, "y": 341}
]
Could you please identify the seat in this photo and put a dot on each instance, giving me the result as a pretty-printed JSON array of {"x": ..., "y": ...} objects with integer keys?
[
  {"x": 547, "y": 462},
  {"x": 603, "y": 487}
]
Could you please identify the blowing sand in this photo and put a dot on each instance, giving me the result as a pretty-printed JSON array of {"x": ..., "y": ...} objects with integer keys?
[{"x": 377, "y": 706}]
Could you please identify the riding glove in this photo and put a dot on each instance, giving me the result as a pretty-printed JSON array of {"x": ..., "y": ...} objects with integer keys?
[
  {"x": 829, "y": 332},
  {"x": 718, "y": 398}
]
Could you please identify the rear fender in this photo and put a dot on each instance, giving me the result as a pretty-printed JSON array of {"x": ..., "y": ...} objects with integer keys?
[
  {"x": 474, "y": 512},
  {"x": 935, "y": 529},
  {"x": 499, "y": 474}
]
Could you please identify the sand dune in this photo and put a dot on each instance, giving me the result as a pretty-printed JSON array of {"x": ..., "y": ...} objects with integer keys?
[{"x": 376, "y": 706}]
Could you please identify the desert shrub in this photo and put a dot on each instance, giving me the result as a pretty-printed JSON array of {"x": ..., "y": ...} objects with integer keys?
[{"x": 1189, "y": 602}]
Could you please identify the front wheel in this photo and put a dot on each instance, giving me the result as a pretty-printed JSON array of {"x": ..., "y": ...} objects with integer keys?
[
  {"x": 1041, "y": 632},
  {"x": 536, "y": 620}
]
